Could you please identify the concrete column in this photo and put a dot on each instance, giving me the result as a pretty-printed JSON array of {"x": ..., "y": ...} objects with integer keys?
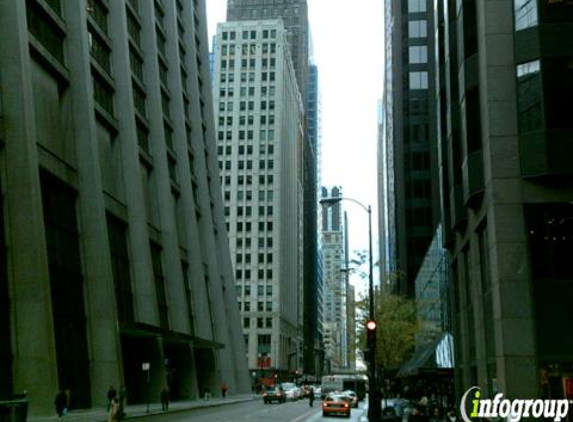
[
  {"x": 29, "y": 282},
  {"x": 142, "y": 271},
  {"x": 101, "y": 312},
  {"x": 511, "y": 282}
]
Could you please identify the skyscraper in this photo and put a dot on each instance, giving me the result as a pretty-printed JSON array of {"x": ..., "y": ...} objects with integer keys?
[
  {"x": 294, "y": 14},
  {"x": 259, "y": 126},
  {"x": 114, "y": 253},
  {"x": 413, "y": 208},
  {"x": 334, "y": 247}
]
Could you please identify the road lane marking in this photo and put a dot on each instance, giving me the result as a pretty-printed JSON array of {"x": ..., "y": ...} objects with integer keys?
[{"x": 300, "y": 418}]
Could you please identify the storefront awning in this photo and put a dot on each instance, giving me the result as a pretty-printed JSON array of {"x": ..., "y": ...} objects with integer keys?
[{"x": 432, "y": 357}]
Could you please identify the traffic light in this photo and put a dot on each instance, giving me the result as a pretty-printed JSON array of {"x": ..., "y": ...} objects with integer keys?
[{"x": 370, "y": 340}]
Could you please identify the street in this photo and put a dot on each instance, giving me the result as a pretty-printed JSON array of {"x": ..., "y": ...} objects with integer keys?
[{"x": 257, "y": 411}]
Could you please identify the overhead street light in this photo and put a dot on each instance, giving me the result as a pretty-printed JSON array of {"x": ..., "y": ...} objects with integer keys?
[{"x": 374, "y": 413}]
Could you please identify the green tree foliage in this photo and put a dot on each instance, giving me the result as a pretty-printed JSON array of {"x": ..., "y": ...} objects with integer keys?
[{"x": 396, "y": 327}]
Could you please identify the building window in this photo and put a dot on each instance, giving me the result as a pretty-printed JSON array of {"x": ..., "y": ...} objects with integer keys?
[
  {"x": 418, "y": 29},
  {"x": 418, "y": 54},
  {"x": 418, "y": 80},
  {"x": 417, "y": 6},
  {"x": 246, "y": 322},
  {"x": 45, "y": 31},
  {"x": 526, "y": 14},
  {"x": 103, "y": 94}
]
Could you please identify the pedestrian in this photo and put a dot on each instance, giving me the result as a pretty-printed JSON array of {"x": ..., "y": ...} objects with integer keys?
[
  {"x": 451, "y": 415},
  {"x": 165, "y": 399},
  {"x": 310, "y": 396},
  {"x": 436, "y": 416},
  {"x": 111, "y": 394},
  {"x": 224, "y": 389},
  {"x": 114, "y": 411},
  {"x": 207, "y": 395},
  {"x": 122, "y": 396},
  {"x": 61, "y": 403}
]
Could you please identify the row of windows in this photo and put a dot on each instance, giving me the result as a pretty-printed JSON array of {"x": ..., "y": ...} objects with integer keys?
[
  {"x": 244, "y": 91},
  {"x": 245, "y": 149},
  {"x": 230, "y": 63},
  {"x": 261, "y": 274},
  {"x": 248, "y": 180},
  {"x": 248, "y": 195},
  {"x": 247, "y": 211},
  {"x": 264, "y": 104},
  {"x": 246, "y": 258},
  {"x": 262, "y": 243},
  {"x": 264, "y": 134},
  {"x": 246, "y": 34},
  {"x": 268, "y": 322},
  {"x": 247, "y": 164}
]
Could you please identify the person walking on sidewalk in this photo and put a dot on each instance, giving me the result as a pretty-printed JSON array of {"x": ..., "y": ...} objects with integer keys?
[
  {"x": 122, "y": 396},
  {"x": 224, "y": 389},
  {"x": 111, "y": 394},
  {"x": 61, "y": 403},
  {"x": 310, "y": 396},
  {"x": 114, "y": 411},
  {"x": 165, "y": 399}
]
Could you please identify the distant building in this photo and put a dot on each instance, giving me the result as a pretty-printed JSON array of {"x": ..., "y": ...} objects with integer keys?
[
  {"x": 294, "y": 15},
  {"x": 114, "y": 257},
  {"x": 335, "y": 277},
  {"x": 258, "y": 112}
]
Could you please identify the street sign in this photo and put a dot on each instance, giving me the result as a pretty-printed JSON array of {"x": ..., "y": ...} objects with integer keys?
[{"x": 145, "y": 366}]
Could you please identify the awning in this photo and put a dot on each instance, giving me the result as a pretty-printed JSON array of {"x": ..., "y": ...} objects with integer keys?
[
  {"x": 433, "y": 357},
  {"x": 139, "y": 329}
]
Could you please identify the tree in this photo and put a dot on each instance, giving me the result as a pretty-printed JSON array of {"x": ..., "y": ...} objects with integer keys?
[{"x": 397, "y": 326}]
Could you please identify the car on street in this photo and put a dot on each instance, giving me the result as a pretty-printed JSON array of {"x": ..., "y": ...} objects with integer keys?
[
  {"x": 352, "y": 397},
  {"x": 274, "y": 394},
  {"x": 336, "y": 404}
]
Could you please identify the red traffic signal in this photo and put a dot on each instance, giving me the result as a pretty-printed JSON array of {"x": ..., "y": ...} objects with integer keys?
[{"x": 371, "y": 325}]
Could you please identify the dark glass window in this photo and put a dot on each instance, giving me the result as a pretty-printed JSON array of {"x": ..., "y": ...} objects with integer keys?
[
  {"x": 550, "y": 228},
  {"x": 45, "y": 31},
  {"x": 120, "y": 265},
  {"x": 529, "y": 97},
  {"x": 66, "y": 285},
  {"x": 558, "y": 91},
  {"x": 159, "y": 286}
]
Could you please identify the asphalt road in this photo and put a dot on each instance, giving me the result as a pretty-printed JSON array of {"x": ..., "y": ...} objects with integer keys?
[{"x": 256, "y": 411}]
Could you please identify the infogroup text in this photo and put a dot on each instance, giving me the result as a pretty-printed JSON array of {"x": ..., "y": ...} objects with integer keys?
[{"x": 513, "y": 410}]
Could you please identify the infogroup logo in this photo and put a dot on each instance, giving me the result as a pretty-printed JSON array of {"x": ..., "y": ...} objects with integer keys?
[{"x": 512, "y": 410}]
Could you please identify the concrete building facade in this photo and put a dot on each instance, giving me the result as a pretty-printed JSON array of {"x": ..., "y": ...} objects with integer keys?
[
  {"x": 504, "y": 85},
  {"x": 258, "y": 111},
  {"x": 115, "y": 259}
]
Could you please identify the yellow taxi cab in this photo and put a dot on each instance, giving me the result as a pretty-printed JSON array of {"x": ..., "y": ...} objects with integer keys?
[{"x": 335, "y": 403}]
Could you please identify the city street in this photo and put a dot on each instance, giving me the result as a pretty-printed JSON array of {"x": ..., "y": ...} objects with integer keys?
[{"x": 256, "y": 411}]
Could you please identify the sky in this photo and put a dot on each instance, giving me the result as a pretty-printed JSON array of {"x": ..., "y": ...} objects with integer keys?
[{"x": 348, "y": 40}]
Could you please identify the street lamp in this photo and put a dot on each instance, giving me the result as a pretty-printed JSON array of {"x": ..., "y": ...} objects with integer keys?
[{"x": 374, "y": 413}]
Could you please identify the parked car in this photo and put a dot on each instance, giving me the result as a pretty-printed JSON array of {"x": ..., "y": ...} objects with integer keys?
[
  {"x": 335, "y": 404},
  {"x": 274, "y": 394}
]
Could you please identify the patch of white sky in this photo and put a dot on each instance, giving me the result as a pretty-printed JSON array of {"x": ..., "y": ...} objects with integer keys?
[{"x": 348, "y": 46}]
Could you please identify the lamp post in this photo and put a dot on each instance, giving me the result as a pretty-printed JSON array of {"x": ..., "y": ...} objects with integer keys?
[{"x": 374, "y": 413}]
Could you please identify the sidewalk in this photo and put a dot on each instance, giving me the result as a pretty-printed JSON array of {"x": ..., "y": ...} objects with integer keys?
[{"x": 140, "y": 410}]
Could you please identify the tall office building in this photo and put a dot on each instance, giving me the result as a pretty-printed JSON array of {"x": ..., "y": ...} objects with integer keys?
[
  {"x": 294, "y": 14},
  {"x": 313, "y": 278},
  {"x": 505, "y": 85},
  {"x": 335, "y": 263},
  {"x": 114, "y": 257},
  {"x": 409, "y": 139},
  {"x": 259, "y": 124}
]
